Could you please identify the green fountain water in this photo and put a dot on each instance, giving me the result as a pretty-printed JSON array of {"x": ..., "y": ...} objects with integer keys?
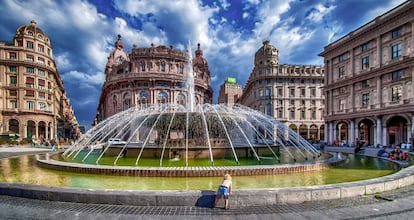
[{"x": 24, "y": 170}]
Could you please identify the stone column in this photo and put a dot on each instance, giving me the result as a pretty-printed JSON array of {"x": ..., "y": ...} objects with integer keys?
[
  {"x": 335, "y": 132},
  {"x": 379, "y": 93},
  {"x": 352, "y": 107},
  {"x": 356, "y": 132},
  {"x": 384, "y": 136},
  {"x": 379, "y": 54},
  {"x": 47, "y": 132},
  {"x": 351, "y": 58},
  {"x": 331, "y": 133},
  {"x": 351, "y": 136},
  {"x": 326, "y": 130},
  {"x": 377, "y": 139},
  {"x": 37, "y": 130}
]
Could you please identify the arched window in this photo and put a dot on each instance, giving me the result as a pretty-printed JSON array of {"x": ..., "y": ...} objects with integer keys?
[
  {"x": 163, "y": 67},
  {"x": 114, "y": 103},
  {"x": 181, "y": 99},
  {"x": 142, "y": 66},
  {"x": 162, "y": 97},
  {"x": 126, "y": 101},
  {"x": 143, "y": 99}
]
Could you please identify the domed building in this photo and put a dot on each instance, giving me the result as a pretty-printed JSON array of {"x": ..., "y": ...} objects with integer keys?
[
  {"x": 153, "y": 75},
  {"x": 290, "y": 93},
  {"x": 34, "y": 104}
]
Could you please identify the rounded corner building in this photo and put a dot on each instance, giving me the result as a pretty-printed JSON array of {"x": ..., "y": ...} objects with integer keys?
[
  {"x": 34, "y": 103},
  {"x": 151, "y": 76},
  {"x": 290, "y": 93}
]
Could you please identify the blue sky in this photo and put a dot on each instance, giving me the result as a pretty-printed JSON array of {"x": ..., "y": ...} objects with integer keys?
[{"x": 83, "y": 33}]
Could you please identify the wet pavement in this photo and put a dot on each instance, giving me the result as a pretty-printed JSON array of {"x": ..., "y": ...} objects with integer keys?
[{"x": 395, "y": 204}]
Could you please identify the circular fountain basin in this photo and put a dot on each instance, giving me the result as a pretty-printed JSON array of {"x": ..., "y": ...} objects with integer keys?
[{"x": 357, "y": 176}]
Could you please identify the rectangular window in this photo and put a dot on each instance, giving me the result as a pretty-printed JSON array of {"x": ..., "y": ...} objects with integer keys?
[
  {"x": 29, "y": 93},
  {"x": 162, "y": 67},
  {"x": 40, "y": 48},
  {"x": 313, "y": 91},
  {"x": 13, "y": 56},
  {"x": 365, "y": 47},
  {"x": 292, "y": 92},
  {"x": 364, "y": 84},
  {"x": 302, "y": 114},
  {"x": 396, "y": 51},
  {"x": 365, "y": 100},
  {"x": 341, "y": 57},
  {"x": 30, "y": 82},
  {"x": 29, "y": 70},
  {"x": 41, "y": 95},
  {"x": 29, "y": 44},
  {"x": 280, "y": 91},
  {"x": 13, "y": 104},
  {"x": 396, "y": 33},
  {"x": 42, "y": 106},
  {"x": 268, "y": 92},
  {"x": 12, "y": 69},
  {"x": 13, "y": 93},
  {"x": 396, "y": 93},
  {"x": 181, "y": 69},
  {"x": 365, "y": 62},
  {"x": 341, "y": 104},
  {"x": 303, "y": 92},
  {"x": 13, "y": 80},
  {"x": 41, "y": 73},
  {"x": 292, "y": 102},
  {"x": 341, "y": 72},
  {"x": 292, "y": 114},
  {"x": 280, "y": 113},
  {"x": 268, "y": 71},
  {"x": 313, "y": 102},
  {"x": 30, "y": 58},
  {"x": 280, "y": 102},
  {"x": 260, "y": 72},
  {"x": 313, "y": 115},
  {"x": 41, "y": 60},
  {"x": 303, "y": 102},
  {"x": 396, "y": 75},
  {"x": 30, "y": 105},
  {"x": 41, "y": 82}
]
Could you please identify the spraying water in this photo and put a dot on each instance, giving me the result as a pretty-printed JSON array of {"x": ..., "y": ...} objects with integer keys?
[{"x": 190, "y": 81}]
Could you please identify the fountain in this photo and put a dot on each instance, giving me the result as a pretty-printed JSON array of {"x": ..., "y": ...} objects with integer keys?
[
  {"x": 193, "y": 135},
  {"x": 165, "y": 144}
]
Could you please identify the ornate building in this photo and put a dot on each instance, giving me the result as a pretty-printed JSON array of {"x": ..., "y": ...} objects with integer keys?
[
  {"x": 153, "y": 75},
  {"x": 230, "y": 91},
  {"x": 290, "y": 93},
  {"x": 369, "y": 85},
  {"x": 33, "y": 100}
]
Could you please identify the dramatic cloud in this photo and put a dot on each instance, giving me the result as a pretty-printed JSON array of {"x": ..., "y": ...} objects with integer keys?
[{"x": 83, "y": 33}]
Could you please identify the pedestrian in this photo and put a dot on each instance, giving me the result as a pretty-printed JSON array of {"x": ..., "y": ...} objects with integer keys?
[{"x": 224, "y": 191}]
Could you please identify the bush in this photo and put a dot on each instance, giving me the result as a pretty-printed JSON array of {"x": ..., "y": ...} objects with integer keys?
[{"x": 24, "y": 141}]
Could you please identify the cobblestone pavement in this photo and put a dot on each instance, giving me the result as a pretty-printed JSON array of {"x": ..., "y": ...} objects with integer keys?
[{"x": 396, "y": 204}]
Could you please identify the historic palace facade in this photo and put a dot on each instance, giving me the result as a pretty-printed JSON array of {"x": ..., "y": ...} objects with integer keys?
[
  {"x": 290, "y": 93},
  {"x": 369, "y": 87},
  {"x": 33, "y": 101},
  {"x": 153, "y": 75}
]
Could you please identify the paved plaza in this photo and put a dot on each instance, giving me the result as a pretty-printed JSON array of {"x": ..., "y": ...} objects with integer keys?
[{"x": 395, "y": 204}]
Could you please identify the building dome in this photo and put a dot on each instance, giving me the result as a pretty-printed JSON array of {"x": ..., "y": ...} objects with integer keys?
[
  {"x": 31, "y": 31},
  {"x": 267, "y": 54}
]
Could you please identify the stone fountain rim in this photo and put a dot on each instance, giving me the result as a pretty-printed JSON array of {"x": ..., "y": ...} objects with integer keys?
[{"x": 189, "y": 171}]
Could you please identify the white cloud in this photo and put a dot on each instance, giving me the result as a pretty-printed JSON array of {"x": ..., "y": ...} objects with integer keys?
[
  {"x": 319, "y": 12},
  {"x": 269, "y": 16},
  {"x": 245, "y": 15},
  {"x": 87, "y": 79},
  {"x": 62, "y": 61}
]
